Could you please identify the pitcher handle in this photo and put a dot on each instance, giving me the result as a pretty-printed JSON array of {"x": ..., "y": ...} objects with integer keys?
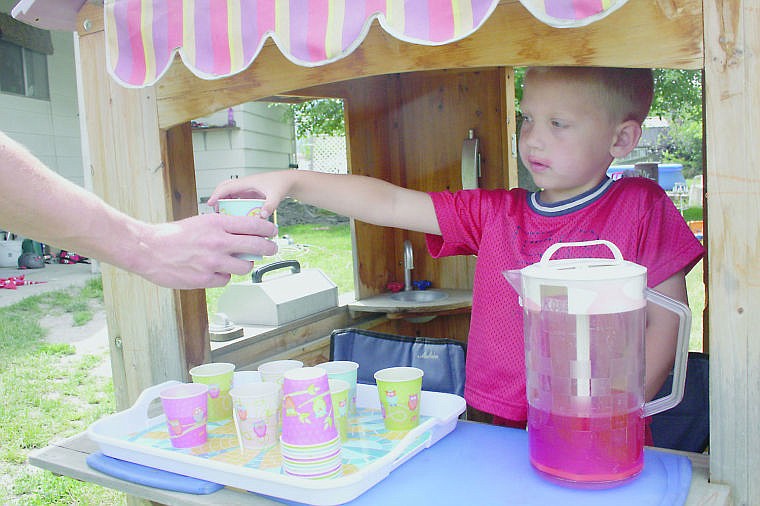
[
  {"x": 551, "y": 250},
  {"x": 682, "y": 353}
]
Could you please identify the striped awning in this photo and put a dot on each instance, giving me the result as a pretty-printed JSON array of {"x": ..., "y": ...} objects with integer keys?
[{"x": 219, "y": 38}]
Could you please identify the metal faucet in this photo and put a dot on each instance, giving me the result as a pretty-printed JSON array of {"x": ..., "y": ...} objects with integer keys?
[{"x": 408, "y": 265}]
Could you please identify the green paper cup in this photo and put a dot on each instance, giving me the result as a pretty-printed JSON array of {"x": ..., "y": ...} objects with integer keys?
[
  {"x": 344, "y": 370},
  {"x": 242, "y": 207},
  {"x": 399, "y": 389},
  {"x": 340, "y": 391},
  {"x": 218, "y": 377}
]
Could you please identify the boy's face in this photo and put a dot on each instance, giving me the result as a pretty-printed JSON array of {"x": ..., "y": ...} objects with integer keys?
[{"x": 566, "y": 135}]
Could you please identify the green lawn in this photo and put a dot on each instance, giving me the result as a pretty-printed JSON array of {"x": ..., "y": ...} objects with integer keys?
[{"x": 48, "y": 393}]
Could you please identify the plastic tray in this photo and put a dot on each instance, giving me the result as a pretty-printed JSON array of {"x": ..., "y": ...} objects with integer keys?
[{"x": 370, "y": 453}]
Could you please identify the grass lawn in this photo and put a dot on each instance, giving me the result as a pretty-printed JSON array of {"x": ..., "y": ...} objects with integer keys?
[{"x": 47, "y": 394}]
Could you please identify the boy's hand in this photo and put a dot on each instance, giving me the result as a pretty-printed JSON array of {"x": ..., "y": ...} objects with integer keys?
[{"x": 271, "y": 186}]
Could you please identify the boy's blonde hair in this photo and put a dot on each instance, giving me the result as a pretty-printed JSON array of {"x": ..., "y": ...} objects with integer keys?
[{"x": 625, "y": 93}]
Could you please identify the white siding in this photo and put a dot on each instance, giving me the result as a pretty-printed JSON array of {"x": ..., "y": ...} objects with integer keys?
[
  {"x": 49, "y": 129},
  {"x": 262, "y": 140}
]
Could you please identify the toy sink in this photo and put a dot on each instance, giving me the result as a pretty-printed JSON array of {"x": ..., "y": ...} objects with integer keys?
[{"x": 280, "y": 298}]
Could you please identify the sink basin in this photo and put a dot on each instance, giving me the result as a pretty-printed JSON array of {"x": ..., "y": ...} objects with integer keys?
[{"x": 419, "y": 296}]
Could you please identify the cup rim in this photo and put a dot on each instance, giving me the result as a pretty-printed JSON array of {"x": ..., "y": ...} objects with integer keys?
[
  {"x": 242, "y": 199},
  {"x": 339, "y": 366},
  {"x": 255, "y": 390},
  {"x": 304, "y": 373},
  {"x": 279, "y": 366},
  {"x": 215, "y": 369},
  {"x": 398, "y": 374},
  {"x": 340, "y": 385},
  {"x": 184, "y": 391}
]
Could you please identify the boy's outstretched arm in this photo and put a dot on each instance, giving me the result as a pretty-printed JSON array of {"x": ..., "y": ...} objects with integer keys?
[
  {"x": 365, "y": 198},
  {"x": 662, "y": 334}
]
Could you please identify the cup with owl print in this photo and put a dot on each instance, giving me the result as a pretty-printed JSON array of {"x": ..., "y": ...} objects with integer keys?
[
  {"x": 218, "y": 377},
  {"x": 186, "y": 409},
  {"x": 399, "y": 389},
  {"x": 242, "y": 207},
  {"x": 340, "y": 392},
  {"x": 345, "y": 370},
  {"x": 256, "y": 412},
  {"x": 307, "y": 408}
]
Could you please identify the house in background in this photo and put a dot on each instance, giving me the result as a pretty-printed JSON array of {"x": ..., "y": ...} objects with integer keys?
[
  {"x": 239, "y": 141},
  {"x": 39, "y": 108},
  {"x": 38, "y": 93}
]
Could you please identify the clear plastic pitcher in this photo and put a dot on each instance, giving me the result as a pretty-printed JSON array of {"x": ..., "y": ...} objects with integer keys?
[{"x": 584, "y": 352}]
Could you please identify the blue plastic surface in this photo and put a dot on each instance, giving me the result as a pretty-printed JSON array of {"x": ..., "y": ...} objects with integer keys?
[
  {"x": 156, "y": 478},
  {"x": 484, "y": 464}
]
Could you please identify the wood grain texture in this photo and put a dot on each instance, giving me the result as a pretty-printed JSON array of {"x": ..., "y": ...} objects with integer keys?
[{"x": 732, "y": 45}]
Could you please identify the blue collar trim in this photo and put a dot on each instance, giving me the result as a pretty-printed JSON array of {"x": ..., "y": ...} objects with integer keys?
[{"x": 570, "y": 205}]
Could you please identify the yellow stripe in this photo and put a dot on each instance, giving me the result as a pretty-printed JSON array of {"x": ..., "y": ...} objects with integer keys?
[
  {"x": 395, "y": 14},
  {"x": 234, "y": 29},
  {"x": 188, "y": 31},
  {"x": 462, "y": 11},
  {"x": 336, "y": 12},
  {"x": 282, "y": 24},
  {"x": 149, "y": 52}
]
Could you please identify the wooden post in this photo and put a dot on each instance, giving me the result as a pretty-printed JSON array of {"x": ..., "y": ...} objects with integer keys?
[
  {"x": 139, "y": 169},
  {"x": 732, "y": 45}
]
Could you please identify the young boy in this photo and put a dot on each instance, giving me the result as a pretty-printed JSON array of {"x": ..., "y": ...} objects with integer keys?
[{"x": 576, "y": 121}]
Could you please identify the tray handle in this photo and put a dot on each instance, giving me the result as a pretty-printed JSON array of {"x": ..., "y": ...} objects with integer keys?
[{"x": 149, "y": 395}]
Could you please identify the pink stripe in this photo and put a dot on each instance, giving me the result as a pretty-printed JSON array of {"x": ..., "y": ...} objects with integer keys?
[
  {"x": 441, "y": 20},
  {"x": 373, "y": 6},
  {"x": 586, "y": 8},
  {"x": 265, "y": 12},
  {"x": 220, "y": 42},
  {"x": 317, "y": 34},
  {"x": 134, "y": 11},
  {"x": 174, "y": 24}
]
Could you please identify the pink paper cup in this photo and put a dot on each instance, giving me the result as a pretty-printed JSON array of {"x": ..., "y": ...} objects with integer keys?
[
  {"x": 218, "y": 377},
  {"x": 256, "y": 412},
  {"x": 307, "y": 410},
  {"x": 185, "y": 406},
  {"x": 399, "y": 389}
]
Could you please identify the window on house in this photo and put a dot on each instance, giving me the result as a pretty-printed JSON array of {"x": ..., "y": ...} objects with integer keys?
[{"x": 23, "y": 71}]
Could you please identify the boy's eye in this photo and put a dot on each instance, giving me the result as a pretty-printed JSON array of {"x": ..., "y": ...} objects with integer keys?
[{"x": 557, "y": 123}]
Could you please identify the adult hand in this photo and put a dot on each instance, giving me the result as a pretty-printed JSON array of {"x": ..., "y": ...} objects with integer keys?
[{"x": 198, "y": 252}]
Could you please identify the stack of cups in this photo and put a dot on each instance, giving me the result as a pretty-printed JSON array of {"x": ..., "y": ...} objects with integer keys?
[
  {"x": 310, "y": 443},
  {"x": 185, "y": 406},
  {"x": 218, "y": 377}
]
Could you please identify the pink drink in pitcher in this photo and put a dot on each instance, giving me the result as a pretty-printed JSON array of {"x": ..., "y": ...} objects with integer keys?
[
  {"x": 593, "y": 450},
  {"x": 585, "y": 322}
]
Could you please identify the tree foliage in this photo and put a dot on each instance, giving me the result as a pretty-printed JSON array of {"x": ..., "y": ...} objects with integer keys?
[{"x": 322, "y": 116}]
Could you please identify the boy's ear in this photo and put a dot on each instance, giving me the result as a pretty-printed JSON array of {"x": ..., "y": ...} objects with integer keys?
[{"x": 627, "y": 135}]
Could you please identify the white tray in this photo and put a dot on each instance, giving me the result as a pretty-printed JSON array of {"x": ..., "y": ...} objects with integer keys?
[{"x": 439, "y": 413}]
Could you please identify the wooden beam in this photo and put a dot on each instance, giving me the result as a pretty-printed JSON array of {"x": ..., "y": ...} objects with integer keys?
[
  {"x": 732, "y": 46},
  {"x": 648, "y": 33}
]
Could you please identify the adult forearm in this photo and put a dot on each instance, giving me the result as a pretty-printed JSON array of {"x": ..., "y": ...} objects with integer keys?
[{"x": 44, "y": 206}]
